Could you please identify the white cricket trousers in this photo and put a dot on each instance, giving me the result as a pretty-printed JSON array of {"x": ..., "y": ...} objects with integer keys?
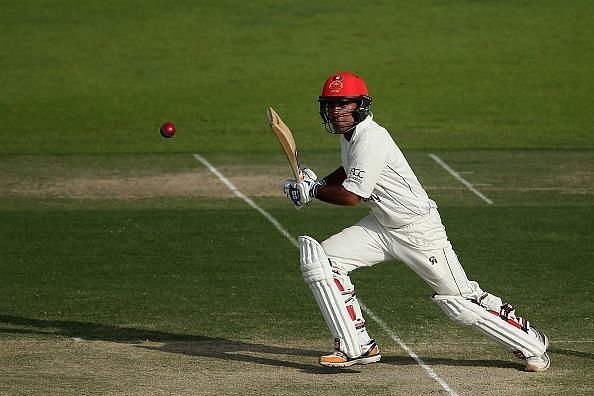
[{"x": 422, "y": 245}]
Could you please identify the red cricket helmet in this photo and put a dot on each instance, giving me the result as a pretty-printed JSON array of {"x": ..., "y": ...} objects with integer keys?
[
  {"x": 344, "y": 84},
  {"x": 344, "y": 87}
]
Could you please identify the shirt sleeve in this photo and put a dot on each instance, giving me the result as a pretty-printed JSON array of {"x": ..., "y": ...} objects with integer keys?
[{"x": 367, "y": 158}]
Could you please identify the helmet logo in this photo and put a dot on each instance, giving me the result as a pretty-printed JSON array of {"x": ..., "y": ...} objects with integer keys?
[{"x": 336, "y": 84}]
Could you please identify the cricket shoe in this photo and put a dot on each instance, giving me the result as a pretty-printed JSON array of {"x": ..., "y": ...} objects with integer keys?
[
  {"x": 538, "y": 363},
  {"x": 542, "y": 362},
  {"x": 371, "y": 354}
]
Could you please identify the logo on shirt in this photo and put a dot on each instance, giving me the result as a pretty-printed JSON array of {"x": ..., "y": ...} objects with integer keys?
[
  {"x": 432, "y": 260},
  {"x": 356, "y": 174}
]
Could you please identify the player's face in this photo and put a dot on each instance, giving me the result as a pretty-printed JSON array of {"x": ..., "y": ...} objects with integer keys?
[{"x": 341, "y": 115}]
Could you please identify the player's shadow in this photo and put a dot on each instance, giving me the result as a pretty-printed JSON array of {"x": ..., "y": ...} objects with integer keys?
[
  {"x": 570, "y": 352},
  {"x": 488, "y": 363},
  {"x": 220, "y": 348},
  {"x": 185, "y": 344},
  {"x": 458, "y": 362}
]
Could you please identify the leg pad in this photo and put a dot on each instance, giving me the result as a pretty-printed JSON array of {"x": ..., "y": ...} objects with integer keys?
[
  {"x": 490, "y": 323},
  {"x": 317, "y": 273}
]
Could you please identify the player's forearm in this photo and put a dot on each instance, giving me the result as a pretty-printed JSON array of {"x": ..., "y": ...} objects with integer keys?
[
  {"x": 335, "y": 178},
  {"x": 337, "y": 195}
]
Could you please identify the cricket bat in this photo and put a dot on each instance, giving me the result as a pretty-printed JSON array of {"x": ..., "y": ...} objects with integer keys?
[{"x": 286, "y": 140}]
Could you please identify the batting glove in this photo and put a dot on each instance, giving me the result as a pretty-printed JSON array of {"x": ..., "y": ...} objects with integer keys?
[
  {"x": 297, "y": 192},
  {"x": 301, "y": 192},
  {"x": 311, "y": 179}
]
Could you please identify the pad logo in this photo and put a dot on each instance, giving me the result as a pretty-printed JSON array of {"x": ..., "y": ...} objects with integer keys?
[{"x": 432, "y": 260}]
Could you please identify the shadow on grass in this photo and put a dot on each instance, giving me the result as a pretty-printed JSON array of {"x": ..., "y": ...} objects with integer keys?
[
  {"x": 571, "y": 352},
  {"x": 185, "y": 344},
  {"x": 217, "y": 348},
  {"x": 458, "y": 362}
]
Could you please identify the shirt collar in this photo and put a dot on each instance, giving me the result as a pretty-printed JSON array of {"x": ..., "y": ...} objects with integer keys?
[{"x": 361, "y": 126}]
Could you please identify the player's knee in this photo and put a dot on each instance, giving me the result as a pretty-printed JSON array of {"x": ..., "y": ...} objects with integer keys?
[{"x": 314, "y": 263}]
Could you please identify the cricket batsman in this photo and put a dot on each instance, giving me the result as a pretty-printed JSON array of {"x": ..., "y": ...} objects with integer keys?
[{"x": 403, "y": 224}]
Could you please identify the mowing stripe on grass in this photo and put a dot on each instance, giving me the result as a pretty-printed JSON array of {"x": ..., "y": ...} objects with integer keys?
[
  {"x": 460, "y": 178},
  {"x": 369, "y": 312}
]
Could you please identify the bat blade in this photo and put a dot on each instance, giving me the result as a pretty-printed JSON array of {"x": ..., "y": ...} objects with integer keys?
[{"x": 286, "y": 140}]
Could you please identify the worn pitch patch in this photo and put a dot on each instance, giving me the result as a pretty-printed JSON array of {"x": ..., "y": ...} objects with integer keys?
[
  {"x": 199, "y": 183},
  {"x": 219, "y": 366}
]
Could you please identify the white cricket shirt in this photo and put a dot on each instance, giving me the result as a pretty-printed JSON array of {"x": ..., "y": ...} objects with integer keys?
[{"x": 378, "y": 172}]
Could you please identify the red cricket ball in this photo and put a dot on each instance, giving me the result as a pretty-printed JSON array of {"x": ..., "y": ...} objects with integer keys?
[{"x": 167, "y": 130}]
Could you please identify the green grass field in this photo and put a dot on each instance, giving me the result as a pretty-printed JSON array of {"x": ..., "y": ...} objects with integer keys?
[{"x": 126, "y": 267}]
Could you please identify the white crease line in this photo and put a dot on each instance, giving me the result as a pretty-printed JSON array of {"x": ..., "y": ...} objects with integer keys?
[
  {"x": 460, "y": 178},
  {"x": 247, "y": 200},
  {"x": 283, "y": 231},
  {"x": 572, "y": 342},
  {"x": 411, "y": 353},
  {"x": 553, "y": 342}
]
